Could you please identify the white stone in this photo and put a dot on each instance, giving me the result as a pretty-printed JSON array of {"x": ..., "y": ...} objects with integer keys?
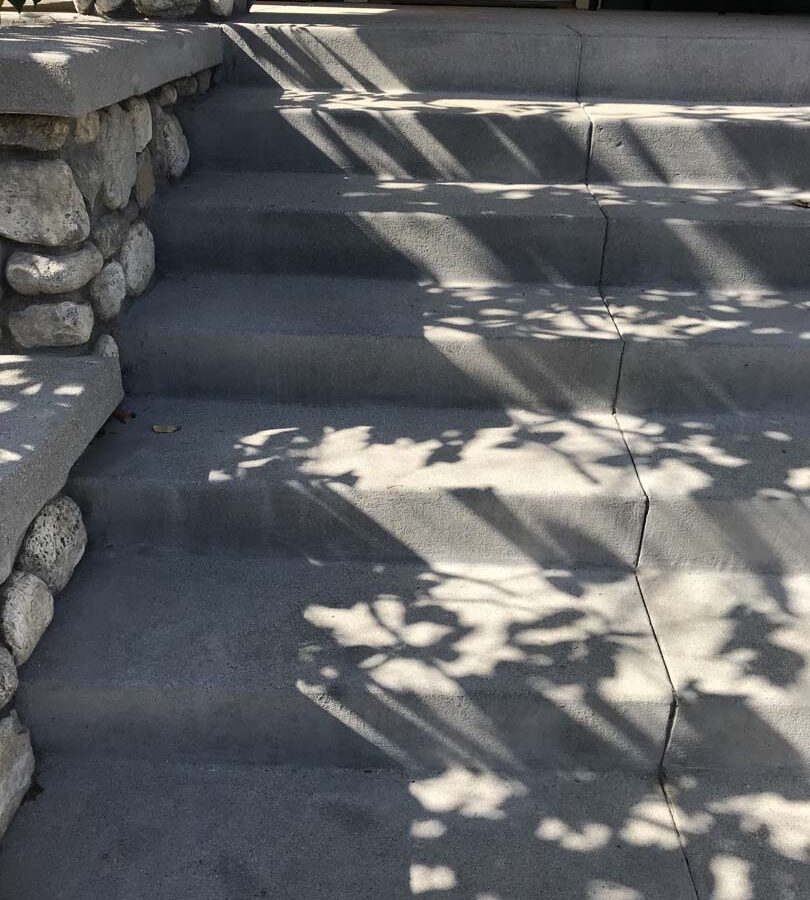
[
  {"x": 138, "y": 259},
  {"x": 87, "y": 127},
  {"x": 170, "y": 153},
  {"x": 8, "y": 677},
  {"x": 54, "y": 544},
  {"x": 16, "y": 767},
  {"x": 106, "y": 347},
  {"x": 58, "y": 323},
  {"x": 33, "y": 132},
  {"x": 116, "y": 146},
  {"x": 108, "y": 291},
  {"x": 38, "y": 273},
  {"x": 40, "y": 203},
  {"x": 141, "y": 116},
  {"x": 26, "y": 610},
  {"x": 109, "y": 232}
]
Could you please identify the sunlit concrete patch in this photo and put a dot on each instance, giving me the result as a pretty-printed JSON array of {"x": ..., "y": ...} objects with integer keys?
[
  {"x": 720, "y": 350},
  {"x": 414, "y": 667},
  {"x": 726, "y": 491},
  {"x": 746, "y": 837},
  {"x": 736, "y": 646},
  {"x": 50, "y": 409}
]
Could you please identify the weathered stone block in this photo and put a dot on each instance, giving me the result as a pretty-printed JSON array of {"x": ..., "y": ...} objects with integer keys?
[
  {"x": 109, "y": 232},
  {"x": 59, "y": 323},
  {"x": 38, "y": 273},
  {"x": 145, "y": 182},
  {"x": 138, "y": 259},
  {"x": 88, "y": 169},
  {"x": 106, "y": 347},
  {"x": 170, "y": 153},
  {"x": 34, "y": 132},
  {"x": 16, "y": 767},
  {"x": 165, "y": 95},
  {"x": 55, "y": 543},
  {"x": 87, "y": 127},
  {"x": 108, "y": 291},
  {"x": 141, "y": 116},
  {"x": 40, "y": 203},
  {"x": 116, "y": 145},
  {"x": 185, "y": 87},
  {"x": 26, "y": 610},
  {"x": 221, "y": 8},
  {"x": 8, "y": 677}
]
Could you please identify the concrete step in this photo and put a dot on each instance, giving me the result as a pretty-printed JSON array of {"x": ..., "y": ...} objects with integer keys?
[
  {"x": 345, "y": 339},
  {"x": 616, "y": 55},
  {"x": 663, "y": 237},
  {"x": 691, "y": 351},
  {"x": 725, "y": 491},
  {"x": 447, "y": 232},
  {"x": 688, "y": 144},
  {"x": 736, "y": 646},
  {"x": 50, "y": 409},
  {"x": 143, "y": 832},
  {"x": 430, "y": 136},
  {"x": 372, "y": 482},
  {"x": 350, "y": 664}
]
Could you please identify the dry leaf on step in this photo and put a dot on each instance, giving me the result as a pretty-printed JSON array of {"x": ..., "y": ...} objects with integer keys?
[{"x": 165, "y": 429}]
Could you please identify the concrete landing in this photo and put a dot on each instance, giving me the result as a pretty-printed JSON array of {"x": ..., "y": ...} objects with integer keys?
[
  {"x": 350, "y": 664},
  {"x": 50, "y": 410},
  {"x": 145, "y": 832},
  {"x": 378, "y": 482},
  {"x": 343, "y": 339}
]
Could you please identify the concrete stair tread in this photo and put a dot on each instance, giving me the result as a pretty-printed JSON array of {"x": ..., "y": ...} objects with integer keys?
[
  {"x": 282, "y": 659},
  {"x": 358, "y": 194},
  {"x": 144, "y": 832},
  {"x": 736, "y": 647},
  {"x": 51, "y": 409}
]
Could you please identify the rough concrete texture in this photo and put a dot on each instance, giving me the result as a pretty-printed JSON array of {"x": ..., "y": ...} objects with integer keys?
[
  {"x": 371, "y": 481},
  {"x": 330, "y": 834},
  {"x": 26, "y": 610},
  {"x": 351, "y": 658},
  {"x": 54, "y": 543},
  {"x": 325, "y": 339},
  {"x": 80, "y": 66},
  {"x": 450, "y": 232},
  {"x": 736, "y": 646},
  {"x": 16, "y": 767},
  {"x": 430, "y": 136},
  {"x": 51, "y": 409},
  {"x": 726, "y": 491}
]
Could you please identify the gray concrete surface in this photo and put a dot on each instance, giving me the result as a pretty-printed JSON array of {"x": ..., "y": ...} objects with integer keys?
[
  {"x": 344, "y": 339},
  {"x": 379, "y": 482},
  {"x": 452, "y": 232},
  {"x": 78, "y": 65},
  {"x": 50, "y": 409},
  {"x": 332, "y": 834},
  {"x": 349, "y": 664}
]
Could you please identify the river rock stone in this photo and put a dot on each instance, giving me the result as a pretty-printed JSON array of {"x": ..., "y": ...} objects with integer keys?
[
  {"x": 204, "y": 81},
  {"x": 38, "y": 273},
  {"x": 87, "y": 127},
  {"x": 221, "y": 8},
  {"x": 26, "y": 610},
  {"x": 138, "y": 259},
  {"x": 58, "y": 323},
  {"x": 109, "y": 232},
  {"x": 186, "y": 86},
  {"x": 167, "y": 9},
  {"x": 8, "y": 677},
  {"x": 16, "y": 767},
  {"x": 145, "y": 182},
  {"x": 141, "y": 116},
  {"x": 55, "y": 543},
  {"x": 40, "y": 203},
  {"x": 88, "y": 169},
  {"x": 108, "y": 291},
  {"x": 116, "y": 145},
  {"x": 170, "y": 153},
  {"x": 105, "y": 7},
  {"x": 34, "y": 132},
  {"x": 106, "y": 347},
  {"x": 165, "y": 95}
]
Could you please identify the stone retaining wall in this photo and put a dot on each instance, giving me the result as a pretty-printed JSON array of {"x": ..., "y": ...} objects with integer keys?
[
  {"x": 75, "y": 249},
  {"x": 163, "y": 9}
]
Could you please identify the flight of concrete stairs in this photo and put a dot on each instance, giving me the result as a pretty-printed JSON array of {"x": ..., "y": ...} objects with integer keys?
[{"x": 477, "y": 564}]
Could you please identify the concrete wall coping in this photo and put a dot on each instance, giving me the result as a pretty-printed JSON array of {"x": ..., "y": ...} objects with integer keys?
[{"x": 79, "y": 64}]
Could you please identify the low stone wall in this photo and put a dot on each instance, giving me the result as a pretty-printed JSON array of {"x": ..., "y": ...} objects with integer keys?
[
  {"x": 163, "y": 9},
  {"x": 75, "y": 247}
]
